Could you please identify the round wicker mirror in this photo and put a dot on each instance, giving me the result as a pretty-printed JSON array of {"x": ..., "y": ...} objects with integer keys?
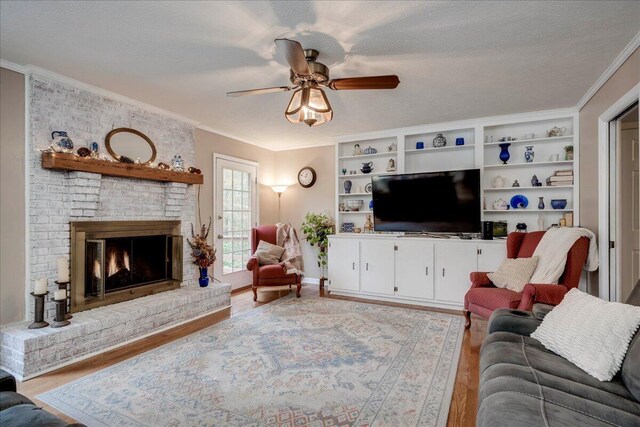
[{"x": 127, "y": 142}]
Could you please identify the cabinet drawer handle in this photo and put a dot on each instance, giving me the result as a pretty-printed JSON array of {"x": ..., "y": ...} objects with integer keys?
[
  {"x": 426, "y": 271},
  {"x": 353, "y": 266},
  {"x": 443, "y": 272},
  {"x": 367, "y": 266}
]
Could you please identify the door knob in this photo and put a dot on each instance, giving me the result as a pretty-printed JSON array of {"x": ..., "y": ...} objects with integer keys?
[
  {"x": 219, "y": 236},
  {"x": 219, "y": 216}
]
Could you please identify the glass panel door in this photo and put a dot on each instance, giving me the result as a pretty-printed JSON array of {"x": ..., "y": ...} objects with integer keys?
[{"x": 235, "y": 200}]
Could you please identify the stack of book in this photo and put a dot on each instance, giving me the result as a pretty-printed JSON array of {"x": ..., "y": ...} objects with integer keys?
[{"x": 560, "y": 178}]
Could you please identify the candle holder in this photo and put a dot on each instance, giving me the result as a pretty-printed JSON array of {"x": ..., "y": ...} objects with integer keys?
[
  {"x": 59, "y": 321},
  {"x": 67, "y": 306},
  {"x": 38, "y": 321}
]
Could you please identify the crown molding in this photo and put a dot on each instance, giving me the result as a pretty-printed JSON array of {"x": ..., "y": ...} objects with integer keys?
[
  {"x": 617, "y": 63},
  {"x": 229, "y": 135},
  {"x": 13, "y": 67}
]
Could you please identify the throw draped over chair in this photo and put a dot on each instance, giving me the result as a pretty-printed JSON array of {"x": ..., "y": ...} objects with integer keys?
[
  {"x": 269, "y": 275},
  {"x": 483, "y": 297}
]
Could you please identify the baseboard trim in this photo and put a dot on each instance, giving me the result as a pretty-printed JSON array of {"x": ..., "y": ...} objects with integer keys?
[{"x": 119, "y": 345}]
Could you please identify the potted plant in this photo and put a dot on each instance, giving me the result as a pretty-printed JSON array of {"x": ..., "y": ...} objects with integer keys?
[
  {"x": 316, "y": 229},
  {"x": 202, "y": 253},
  {"x": 568, "y": 152}
]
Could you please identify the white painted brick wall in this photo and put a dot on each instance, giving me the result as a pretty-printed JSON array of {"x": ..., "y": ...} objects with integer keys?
[{"x": 57, "y": 197}]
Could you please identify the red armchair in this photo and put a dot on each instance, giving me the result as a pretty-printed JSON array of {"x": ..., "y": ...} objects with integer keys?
[
  {"x": 269, "y": 275},
  {"x": 483, "y": 297}
]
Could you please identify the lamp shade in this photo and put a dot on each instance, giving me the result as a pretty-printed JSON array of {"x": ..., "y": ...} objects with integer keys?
[
  {"x": 279, "y": 188},
  {"x": 309, "y": 105}
]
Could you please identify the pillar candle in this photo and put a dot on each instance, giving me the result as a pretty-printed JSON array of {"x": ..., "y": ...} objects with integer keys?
[
  {"x": 41, "y": 286},
  {"x": 60, "y": 294},
  {"x": 63, "y": 270}
]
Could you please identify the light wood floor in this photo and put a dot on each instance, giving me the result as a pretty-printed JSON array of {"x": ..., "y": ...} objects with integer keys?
[{"x": 465, "y": 394}]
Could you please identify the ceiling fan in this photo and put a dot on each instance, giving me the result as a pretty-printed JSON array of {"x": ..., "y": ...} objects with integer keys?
[{"x": 309, "y": 104}]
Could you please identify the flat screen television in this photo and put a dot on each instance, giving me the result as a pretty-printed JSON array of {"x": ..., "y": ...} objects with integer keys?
[{"x": 437, "y": 202}]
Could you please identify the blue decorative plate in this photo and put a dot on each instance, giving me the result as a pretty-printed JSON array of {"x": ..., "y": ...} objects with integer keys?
[{"x": 519, "y": 202}]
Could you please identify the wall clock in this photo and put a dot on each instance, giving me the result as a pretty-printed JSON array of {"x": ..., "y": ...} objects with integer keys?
[{"x": 307, "y": 177}]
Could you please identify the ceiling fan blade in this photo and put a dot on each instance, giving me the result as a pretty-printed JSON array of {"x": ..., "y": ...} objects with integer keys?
[
  {"x": 259, "y": 91},
  {"x": 294, "y": 54},
  {"x": 357, "y": 83}
]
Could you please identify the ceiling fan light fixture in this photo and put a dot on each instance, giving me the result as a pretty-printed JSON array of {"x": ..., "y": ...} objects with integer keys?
[{"x": 309, "y": 105}]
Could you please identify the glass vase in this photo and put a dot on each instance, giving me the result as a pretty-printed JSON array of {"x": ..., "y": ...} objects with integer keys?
[{"x": 504, "y": 152}]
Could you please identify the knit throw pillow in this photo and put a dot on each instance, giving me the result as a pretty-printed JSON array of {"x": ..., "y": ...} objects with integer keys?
[
  {"x": 514, "y": 273},
  {"x": 591, "y": 333},
  {"x": 267, "y": 253}
]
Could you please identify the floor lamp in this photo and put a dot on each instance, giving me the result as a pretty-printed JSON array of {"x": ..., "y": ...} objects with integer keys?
[{"x": 279, "y": 189}]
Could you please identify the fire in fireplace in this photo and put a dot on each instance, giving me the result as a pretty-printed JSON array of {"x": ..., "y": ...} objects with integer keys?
[{"x": 119, "y": 260}]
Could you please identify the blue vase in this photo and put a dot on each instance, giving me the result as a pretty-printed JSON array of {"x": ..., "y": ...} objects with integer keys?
[
  {"x": 529, "y": 154},
  {"x": 204, "y": 278},
  {"x": 504, "y": 152},
  {"x": 541, "y": 203},
  {"x": 459, "y": 141}
]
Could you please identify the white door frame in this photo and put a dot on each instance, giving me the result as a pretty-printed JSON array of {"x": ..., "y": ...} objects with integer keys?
[
  {"x": 216, "y": 157},
  {"x": 604, "y": 236}
]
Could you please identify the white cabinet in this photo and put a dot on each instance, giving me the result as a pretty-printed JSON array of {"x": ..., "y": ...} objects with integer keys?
[
  {"x": 344, "y": 264},
  {"x": 454, "y": 262},
  {"x": 414, "y": 269},
  {"x": 377, "y": 266},
  {"x": 490, "y": 256},
  {"x": 425, "y": 271}
]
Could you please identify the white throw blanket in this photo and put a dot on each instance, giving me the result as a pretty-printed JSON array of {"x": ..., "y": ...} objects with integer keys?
[
  {"x": 553, "y": 249},
  {"x": 287, "y": 237}
]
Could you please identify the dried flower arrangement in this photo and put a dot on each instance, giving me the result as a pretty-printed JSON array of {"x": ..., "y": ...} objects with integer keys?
[{"x": 203, "y": 254}]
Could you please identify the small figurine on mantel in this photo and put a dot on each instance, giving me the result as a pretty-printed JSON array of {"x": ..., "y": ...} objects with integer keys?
[{"x": 177, "y": 164}]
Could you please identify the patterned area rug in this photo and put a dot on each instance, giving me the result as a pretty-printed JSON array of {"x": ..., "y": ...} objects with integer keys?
[{"x": 294, "y": 362}]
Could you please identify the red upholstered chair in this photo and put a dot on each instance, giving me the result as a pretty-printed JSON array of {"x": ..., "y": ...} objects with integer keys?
[
  {"x": 269, "y": 275},
  {"x": 483, "y": 297}
]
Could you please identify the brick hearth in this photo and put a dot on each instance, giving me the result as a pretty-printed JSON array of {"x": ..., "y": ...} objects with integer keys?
[{"x": 27, "y": 353}]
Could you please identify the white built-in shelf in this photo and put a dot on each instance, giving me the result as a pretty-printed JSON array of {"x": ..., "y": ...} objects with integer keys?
[
  {"x": 356, "y": 212},
  {"x": 528, "y": 141},
  {"x": 545, "y": 187},
  {"x": 432, "y": 149},
  {"x": 525, "y": 210},
  {"x": 364, "y": 156},
  {"x": 518, "y": 165},
  {"x": 354, "y": 194},
  {"x": 360, "y": 175}
]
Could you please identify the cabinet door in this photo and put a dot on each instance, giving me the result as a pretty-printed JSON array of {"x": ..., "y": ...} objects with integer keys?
[
  {"x": 343, "y": 264},
  {"x": 491, "y": 255},
  {"x": 414, "y": 269},
  {"x": 454, "y": 262},
  {"x": 376, "y": 266}
]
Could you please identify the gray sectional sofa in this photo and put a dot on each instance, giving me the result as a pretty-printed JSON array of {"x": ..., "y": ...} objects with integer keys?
[{"x": 516, "y": 370}]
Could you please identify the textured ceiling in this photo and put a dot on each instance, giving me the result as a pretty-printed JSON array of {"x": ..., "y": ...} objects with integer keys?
[{"x": 455, "y": 60}]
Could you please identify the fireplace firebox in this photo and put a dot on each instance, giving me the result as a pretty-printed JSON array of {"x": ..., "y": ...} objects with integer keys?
[{"x": 115, "y": 261}]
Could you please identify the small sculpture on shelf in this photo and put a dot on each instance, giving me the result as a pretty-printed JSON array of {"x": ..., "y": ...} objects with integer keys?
[
  {"x": 368, "y": 225},
  {"x": 515, "y": 183},
  {"x": 556, "y": 131},
  {"x": 393, "y": 147},
  {"x": 357, "y": 151},
  {"x": 540, "y": 222},
  {"x": 534, "y": 181}
]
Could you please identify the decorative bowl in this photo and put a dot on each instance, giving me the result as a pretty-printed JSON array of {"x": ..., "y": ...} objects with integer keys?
[
  {"x": 559, "y": 203},
  {"x": 355, "y": 205},
  {"x": 519, "y": 202}
]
